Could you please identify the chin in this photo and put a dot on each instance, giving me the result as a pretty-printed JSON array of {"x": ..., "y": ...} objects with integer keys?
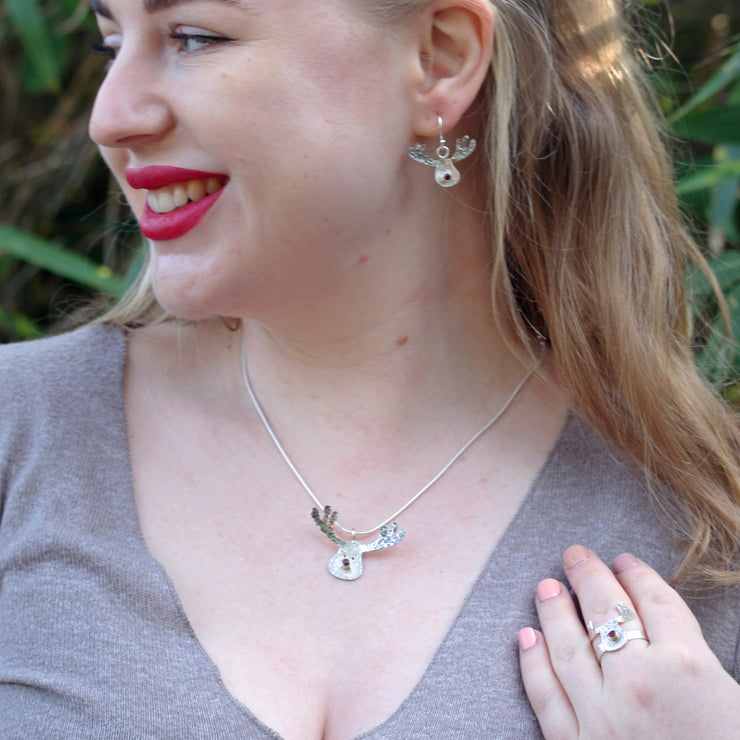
[
  {"x": 190, "y": 300},
  {"x": 184, "y": 310}
]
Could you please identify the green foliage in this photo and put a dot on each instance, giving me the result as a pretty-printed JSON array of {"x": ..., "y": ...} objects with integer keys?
[
  {"x": 719, "y": 355},
  {"x": 710, "y": 188},
  {"x": 45, "y": 52},
  {"x": 64, "y": 235},
  {"x": 712, "y": 117},
  {"x": 60, "y": 261},
  {"x": 725, "y": 78},
  {"x": 41, "y": 51}
]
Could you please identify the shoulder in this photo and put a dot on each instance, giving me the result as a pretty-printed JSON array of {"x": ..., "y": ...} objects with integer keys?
[
  {"x": 584, "y": 450},
  {"x": 44, "y": 378},
  {"x": 58, "y": 396},
  {"x": 585, "y": 471},
  {"x": 70, "y": 357},
  {"x": 70, "y": 349}
]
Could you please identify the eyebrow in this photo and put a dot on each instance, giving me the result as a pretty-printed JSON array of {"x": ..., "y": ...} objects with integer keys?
[{"x": 154, "y": 6}]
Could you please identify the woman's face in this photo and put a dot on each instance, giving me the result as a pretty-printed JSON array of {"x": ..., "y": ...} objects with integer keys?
[{"x": 261, "y": 143}]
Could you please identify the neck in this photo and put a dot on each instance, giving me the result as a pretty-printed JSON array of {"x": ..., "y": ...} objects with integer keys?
[
  {"x": 433, "y": 358},
  {"x": 416, "y": 305},
  {"x": 396, "y": 357},
  {"x": 328, "y": 517}
]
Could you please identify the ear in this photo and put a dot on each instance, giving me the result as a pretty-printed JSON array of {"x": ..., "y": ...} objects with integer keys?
[{"x": 455, "y": 47}]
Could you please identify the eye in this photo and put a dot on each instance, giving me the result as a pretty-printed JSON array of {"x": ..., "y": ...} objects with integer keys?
[
  {"x": 109, "y": 46},
  {"x": 193, "y": 40},
  {"x": 104, "y": 50}
]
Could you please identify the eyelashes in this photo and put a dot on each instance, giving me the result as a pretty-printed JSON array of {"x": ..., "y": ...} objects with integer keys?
[
  {"x": 187, "y": 43},
  {"x": 104, "y": 50},
  {"x": 190, "y": 42}
]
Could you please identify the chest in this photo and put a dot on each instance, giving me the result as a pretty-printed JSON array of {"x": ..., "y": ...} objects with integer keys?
[{"x": 311, "y": 655}]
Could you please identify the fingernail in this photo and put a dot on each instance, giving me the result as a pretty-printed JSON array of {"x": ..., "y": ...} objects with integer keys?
[
  {"x": 575, "y": 555},
  {"x": 527, "y": 638},
  {"x": 547, "y": 589},
  {"x": 623, "y": 562}
]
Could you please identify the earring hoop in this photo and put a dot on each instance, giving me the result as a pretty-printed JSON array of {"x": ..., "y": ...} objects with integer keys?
[
  {"x": 443, "y": 151},
  {"x": 446, "y": 175}
]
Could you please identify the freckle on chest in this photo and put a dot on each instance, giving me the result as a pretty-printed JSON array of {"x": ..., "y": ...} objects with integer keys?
[{"x": 402, "y": 339}]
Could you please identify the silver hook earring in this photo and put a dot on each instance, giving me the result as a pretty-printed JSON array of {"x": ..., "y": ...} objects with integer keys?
[{"x": 445, "y": 173}]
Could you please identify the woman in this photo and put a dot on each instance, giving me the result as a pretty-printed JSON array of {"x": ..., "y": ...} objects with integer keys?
[{"x": 314, "y": 297}]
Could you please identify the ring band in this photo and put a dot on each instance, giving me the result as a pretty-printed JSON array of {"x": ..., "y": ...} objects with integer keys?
[
  {"x": 615, "y": 639},
  {"x": 611, "y": 636}
]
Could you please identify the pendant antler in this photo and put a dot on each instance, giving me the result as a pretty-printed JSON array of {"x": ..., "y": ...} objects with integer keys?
[
  {"x": 446, "y": 174},
  {"x": 347, "y": 562},
  {"x": 326, "y": 523}
]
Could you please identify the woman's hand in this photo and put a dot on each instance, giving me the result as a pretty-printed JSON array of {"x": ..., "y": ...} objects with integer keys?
[{"x": 669, "y": 685}]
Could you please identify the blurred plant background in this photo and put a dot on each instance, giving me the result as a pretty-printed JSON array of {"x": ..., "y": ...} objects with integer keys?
[{"x": 66, "y": 235}]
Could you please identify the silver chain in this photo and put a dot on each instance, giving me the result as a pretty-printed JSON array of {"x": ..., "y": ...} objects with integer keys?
[{"x": 392, "y": 517}]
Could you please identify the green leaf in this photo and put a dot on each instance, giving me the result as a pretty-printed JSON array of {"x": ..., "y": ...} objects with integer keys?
[
  {"x": 70, "y": 6},
  {"x": 726, "y": 268},
  {"x": 60, "y": 261},
  {"x": 707, "y": 177},
  {"x": 722, "y": 204},
  {"x": 723, "y": 200},
  {"x": 18, "y": 325},
  {"x": 725, "y": 75},
  {"x": 25, "y": 15},
  {"x": 715, "y": 126},
  {"x": 733, "y": 96},
  {"x": 719, "y": 357}
]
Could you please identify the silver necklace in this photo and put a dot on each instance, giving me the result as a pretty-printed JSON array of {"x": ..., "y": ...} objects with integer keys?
[{"x": 346, "y": 564}]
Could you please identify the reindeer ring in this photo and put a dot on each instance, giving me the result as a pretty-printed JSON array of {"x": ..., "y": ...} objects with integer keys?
[{"x": 347, "y": 562}]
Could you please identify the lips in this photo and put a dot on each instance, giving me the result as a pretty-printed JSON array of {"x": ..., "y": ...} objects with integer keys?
[{"x": 177, "y": 200}]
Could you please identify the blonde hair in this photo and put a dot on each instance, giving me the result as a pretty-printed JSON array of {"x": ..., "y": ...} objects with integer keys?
[{"x": 589, "y": 247}]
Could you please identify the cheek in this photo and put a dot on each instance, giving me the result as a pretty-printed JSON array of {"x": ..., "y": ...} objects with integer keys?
[{"x": 117, "y": 159}]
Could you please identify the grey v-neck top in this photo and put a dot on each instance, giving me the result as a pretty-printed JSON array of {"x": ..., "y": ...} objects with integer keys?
[{"x": 95, "y": 644}]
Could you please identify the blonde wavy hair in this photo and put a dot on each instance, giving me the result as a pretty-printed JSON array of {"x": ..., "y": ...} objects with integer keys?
[{"x": 589, "y": 248}]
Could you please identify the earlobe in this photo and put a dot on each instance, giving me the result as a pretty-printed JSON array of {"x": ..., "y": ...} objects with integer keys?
[{"x": 455, "y": 51}]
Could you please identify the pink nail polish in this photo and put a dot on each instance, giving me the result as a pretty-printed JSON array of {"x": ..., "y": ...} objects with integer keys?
[
  {"x": 527, "y": 638},
  {"x": 547, "y": 589}
]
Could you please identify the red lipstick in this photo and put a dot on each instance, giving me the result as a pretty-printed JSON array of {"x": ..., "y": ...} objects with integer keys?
[
  {"x": 166, "y": 226},
  {"x": 161, "y": 227}
]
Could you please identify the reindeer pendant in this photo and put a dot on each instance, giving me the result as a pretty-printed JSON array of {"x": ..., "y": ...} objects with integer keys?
[{"x": 347, "y": 562}]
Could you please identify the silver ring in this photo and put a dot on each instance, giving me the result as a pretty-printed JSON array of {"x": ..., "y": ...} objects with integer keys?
[{"x": 611, "y": 636}]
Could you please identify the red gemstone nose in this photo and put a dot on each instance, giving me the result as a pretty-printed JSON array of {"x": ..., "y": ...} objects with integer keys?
[
  {"x": 613, "y": 635},
  {"x": 345, "y": 563}
]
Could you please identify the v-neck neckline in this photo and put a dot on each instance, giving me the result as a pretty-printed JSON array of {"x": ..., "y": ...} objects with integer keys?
[{"x": 504, "y": 544}]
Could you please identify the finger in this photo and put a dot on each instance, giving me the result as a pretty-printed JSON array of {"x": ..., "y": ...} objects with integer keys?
[
  {"x": 605, "y": 605},
  {"x": 549, "y": 701},
  {"x": 663, "y": 612},
  {"x": 568, "y": 646}
]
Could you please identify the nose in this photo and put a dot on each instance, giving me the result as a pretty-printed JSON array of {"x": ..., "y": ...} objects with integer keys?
[{"x": 131, "y": 107}]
